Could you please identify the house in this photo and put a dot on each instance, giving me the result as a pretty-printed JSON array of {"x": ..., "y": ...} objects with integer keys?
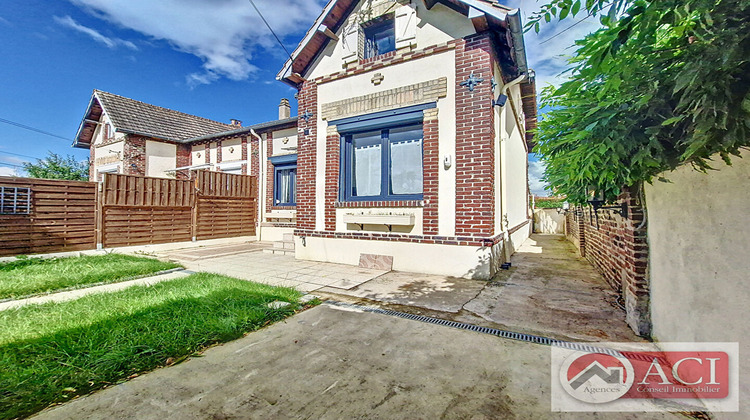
[
  {"x": 135, "y": 138},
  {"x": 416, "y": 119}
]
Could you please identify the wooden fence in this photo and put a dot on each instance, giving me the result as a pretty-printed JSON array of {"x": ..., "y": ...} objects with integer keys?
[{"x": 126, "y": 210}]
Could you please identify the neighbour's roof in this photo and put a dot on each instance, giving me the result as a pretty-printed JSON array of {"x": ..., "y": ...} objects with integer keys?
[
  {"x": 136, "y": 117},
  {"x": 262, "y": 127}
]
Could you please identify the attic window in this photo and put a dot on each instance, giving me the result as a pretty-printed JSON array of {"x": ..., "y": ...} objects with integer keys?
[{"x": 380, "y": 37}]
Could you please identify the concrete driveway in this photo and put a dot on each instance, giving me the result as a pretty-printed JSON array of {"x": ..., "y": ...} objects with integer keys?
[{"x": 333, "y": 363}]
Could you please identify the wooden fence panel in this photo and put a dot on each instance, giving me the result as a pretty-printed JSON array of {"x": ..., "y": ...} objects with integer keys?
[
  {"x": 225, "y": 217},
  {"x": 144, "y": 225},
  {"x": 62, "y": 217}
]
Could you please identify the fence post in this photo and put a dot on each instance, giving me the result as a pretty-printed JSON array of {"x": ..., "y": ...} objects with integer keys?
[
  {"x": 194, "y": 201},
  {"x": 99, "y": 213}
]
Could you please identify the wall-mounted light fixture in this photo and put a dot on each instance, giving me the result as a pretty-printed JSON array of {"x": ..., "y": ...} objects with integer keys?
[
  {"x": 564, "y": 209},
  {"x": 596, "y": 199}
]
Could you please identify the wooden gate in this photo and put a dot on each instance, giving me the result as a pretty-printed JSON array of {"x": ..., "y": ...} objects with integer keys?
[
  {"x": 226, "y": 205},
  {"x": 139, "y": 210}
]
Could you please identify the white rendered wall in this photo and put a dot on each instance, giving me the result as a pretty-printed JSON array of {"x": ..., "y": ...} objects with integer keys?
[{"x": 160, "y": 158}]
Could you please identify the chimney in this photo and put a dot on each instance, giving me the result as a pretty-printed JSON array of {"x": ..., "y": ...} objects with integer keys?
[
  {"x": 235, "y": 122},
  {"x": 285, "y": 111}
]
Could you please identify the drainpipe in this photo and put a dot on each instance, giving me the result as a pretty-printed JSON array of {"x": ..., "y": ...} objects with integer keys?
[
  {"x": 516, "y": 31},
  {"x": 261, "y": 181}
]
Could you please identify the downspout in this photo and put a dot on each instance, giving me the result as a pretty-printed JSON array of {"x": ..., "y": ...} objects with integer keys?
[
  {"x": 261, "y": 182},
  {"x": 516, "y": 32}
]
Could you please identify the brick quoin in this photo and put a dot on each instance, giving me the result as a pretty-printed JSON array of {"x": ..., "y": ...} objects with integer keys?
[
  {"x": 134, "y": 156},
  {"x": 207, "y": 153},
  {"x": 333, "y": 159},
  {"x": 183, "y": 159},
  {"x": 431, "y": 167},
  {"x": 475, "y": 175},
  {"x": 243, "y": 151},
  {"x": 268, "y": 137},
  {"x": 306, "y": 156}
]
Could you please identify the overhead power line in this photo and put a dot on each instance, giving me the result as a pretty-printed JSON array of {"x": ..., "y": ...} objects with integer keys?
[
  {"x": 10, "y": 164},
  {"x": 26, "y": 127},
  {"x": 271, "y": 29},
  {"x": 19, "y": 155},
  {"x": 564, "y": 30}
]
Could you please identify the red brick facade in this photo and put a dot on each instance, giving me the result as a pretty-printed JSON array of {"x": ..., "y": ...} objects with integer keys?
[
  {"x": 306, "y": 156},
  {"x": 431, "y": 169},
  {"x": 618, "y": 248},
  {"x": 475, "y": 172},
  {"x": 268, "y": 138},
  {"x": 134, "y": 156},
  {"x": 333, "y": 159},
  {"x": 184, "y": 156}
]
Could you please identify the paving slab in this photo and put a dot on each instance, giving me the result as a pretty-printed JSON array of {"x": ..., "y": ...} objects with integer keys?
[
  {"x": 437, "y": 293},
  {"x": 330, "y": 363},
  {"x": 273, "y": 269}
]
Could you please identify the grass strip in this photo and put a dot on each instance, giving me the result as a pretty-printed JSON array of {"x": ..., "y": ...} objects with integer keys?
[
  {"x": 50, "y": 353},
  {"x": 33, "y": 276}
]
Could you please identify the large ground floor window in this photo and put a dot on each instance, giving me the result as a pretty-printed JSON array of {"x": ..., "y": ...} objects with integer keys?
[{"x": 383, "y": 164}]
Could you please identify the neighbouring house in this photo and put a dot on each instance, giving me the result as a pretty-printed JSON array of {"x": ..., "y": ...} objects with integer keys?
[{"x": 415, "y": 121}]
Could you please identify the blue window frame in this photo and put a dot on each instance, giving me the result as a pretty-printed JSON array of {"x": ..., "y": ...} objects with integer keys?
[
  {"x": 284, "y": 180},
  {"x": 383, "y": 164},
  {"x": 382, "y": 155},
  {"x": 380, "y": 37}
]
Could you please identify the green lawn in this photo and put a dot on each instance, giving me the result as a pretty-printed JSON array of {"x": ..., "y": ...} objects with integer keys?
[
  {"x": 53, "y": 352},
  {"x": 25, "y": 277}
]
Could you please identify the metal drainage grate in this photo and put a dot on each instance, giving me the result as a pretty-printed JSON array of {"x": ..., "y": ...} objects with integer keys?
[{"x": 485, "y": 330}]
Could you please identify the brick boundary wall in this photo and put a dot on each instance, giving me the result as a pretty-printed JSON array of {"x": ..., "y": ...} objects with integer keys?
[
  {"x": 617, "y": 247},
  {"x": 475, "y": 174}
]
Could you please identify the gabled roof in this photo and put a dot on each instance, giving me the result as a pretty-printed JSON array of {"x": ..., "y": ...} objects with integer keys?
[
  {"x": 336, "y": 12},
  {"x": 487, "y": 14},
  {"x": 136, "y": 117}
]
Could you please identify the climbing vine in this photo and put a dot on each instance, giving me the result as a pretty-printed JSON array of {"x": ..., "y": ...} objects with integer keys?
[{"x": 662, "y": 83}]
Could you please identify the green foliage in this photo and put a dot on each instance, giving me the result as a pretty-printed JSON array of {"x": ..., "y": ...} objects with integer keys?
[
  {"x": 549, "y": 203},
  {"x": 54, "y": 352},
  {"x": 661, "y": 84},
  {"x": 55, "y": 166},
  {"x": 29, "y": 276}
]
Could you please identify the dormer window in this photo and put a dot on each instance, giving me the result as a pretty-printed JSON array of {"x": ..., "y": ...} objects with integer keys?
[{"x": 380, "y": 37}]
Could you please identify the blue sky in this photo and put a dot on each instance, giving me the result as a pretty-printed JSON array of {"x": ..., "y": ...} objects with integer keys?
[{"x": 212, "y": 58}]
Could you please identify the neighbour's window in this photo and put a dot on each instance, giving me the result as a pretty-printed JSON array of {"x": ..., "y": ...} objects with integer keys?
[
  {"x": 380, "y": 37},
  {"x": 384, "y": 164},
  {"x": 15, "y": 200},
  {"x": 285, "y": 185}
]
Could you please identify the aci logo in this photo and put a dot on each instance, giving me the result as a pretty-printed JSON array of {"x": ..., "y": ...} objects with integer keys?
[
  {"x": 645, "y": 377},
  {"x": 596, "y": 377}
]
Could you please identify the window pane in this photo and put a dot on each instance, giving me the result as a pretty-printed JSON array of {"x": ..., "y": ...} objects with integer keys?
[
  {"x": 380, "y": 38},
  {"x": 367, "y": 164},
  {"x": 406, "y": 160},
  {"x": 286, "y": 186}
]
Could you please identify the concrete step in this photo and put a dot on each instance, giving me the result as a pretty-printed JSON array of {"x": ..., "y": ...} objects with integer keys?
[
  {"x": 283, "y": 245},
  {"x": 279, "y": 251}
]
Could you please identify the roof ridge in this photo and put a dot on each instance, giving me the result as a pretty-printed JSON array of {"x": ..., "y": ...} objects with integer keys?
[{"x": 161, "y": 107}]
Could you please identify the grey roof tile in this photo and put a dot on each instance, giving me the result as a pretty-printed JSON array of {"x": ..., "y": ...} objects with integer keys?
[{"x": 133, "y": 116}]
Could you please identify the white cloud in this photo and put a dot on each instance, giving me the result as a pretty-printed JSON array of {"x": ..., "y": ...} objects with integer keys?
[
  {"x": 5, "y": 21},
  {"x": 111, "y": 43},
  {"x": 12, "y": 160},
  {"x": 536, "y": 185},
  {"x": 6, "y": 171},
  {"x": 222, "y": 33}
]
